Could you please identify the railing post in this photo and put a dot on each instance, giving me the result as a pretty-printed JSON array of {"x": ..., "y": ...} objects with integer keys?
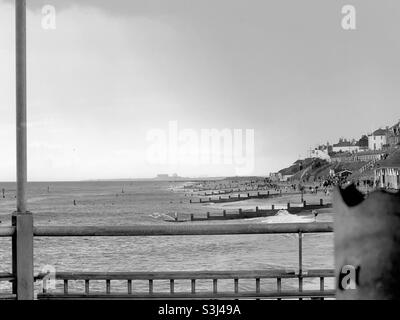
[
  {"x": 172, "y": 286},
  {"x": 300, "y": 261},
  {"x": 22, "y": 255},
  {"x": 65, "y": 286},
  {"x": 129, "y": 286},
  {"x": 22, "y": 220},
  {"x": 193, "y": 285},
  {"x": 279, "y": 286},
  {"x": 236, "y": 285},
  {"x": 108, "y": 286}
]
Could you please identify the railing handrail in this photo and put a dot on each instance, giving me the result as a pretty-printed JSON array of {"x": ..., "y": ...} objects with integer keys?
[
  {"x": 171, "y": 230},
  {"x": 7, "y": 231},
  {"x": 5, "y": 276},
  {"x": 167, "y": 275},
  {"x": 182, "y": 229}
]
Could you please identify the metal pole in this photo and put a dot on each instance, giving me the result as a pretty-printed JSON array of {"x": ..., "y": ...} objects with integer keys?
[
  {"x": 20, "y": 58},
  {"x": 300, "y": 261},
  {"x": 22, "y": 220}
]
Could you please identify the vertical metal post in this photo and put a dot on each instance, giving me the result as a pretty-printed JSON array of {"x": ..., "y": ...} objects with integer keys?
[
  {"x": 129, "y": 286},
  {"x": 300, "y": 261},
  {"x": 20, "y": 58},
  {"x": 215, "y": 286},
  {"x": 22, "y": 220},
  {"x": 65, "y": 286},
  {"x": 236, "y": 285},
  {"x": 279, "y": 286},
  {"x": 193, "y": 282},
  {"x": 172, "y": 286}
]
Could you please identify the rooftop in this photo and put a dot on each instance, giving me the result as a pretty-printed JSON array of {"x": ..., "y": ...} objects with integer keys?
[
  {"x": 379, "y": 132},
  {"x": 344, "y": 144}
]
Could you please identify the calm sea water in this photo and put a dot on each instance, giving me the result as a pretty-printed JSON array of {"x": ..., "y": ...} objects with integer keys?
[{"x": 145, "y": 202}]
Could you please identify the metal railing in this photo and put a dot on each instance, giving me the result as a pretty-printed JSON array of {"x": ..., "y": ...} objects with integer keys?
[
  {"x": 192, "y": 276},
  {"x": 7, "y": 277},
  {"x": 186, "y": 230}
]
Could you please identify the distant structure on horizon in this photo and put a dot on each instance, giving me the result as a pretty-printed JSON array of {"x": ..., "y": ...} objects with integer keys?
[
  {"x": 165, "y": 176},
  {"x": 162, "y": 176}
]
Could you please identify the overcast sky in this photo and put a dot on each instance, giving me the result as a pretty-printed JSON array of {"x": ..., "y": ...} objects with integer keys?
[{"x": 113, "y": 70}]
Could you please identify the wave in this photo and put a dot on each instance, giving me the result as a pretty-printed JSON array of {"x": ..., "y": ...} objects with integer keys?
[
  {"x": 283, "y": 216},
  {"x": 158, "y": 215}
]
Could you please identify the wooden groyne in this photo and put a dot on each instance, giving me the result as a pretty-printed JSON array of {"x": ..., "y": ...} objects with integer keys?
[
  {"x": 213, "y": 193},
  {"x": 241, "y": 197},
  {"x": 257, "y": 213}
]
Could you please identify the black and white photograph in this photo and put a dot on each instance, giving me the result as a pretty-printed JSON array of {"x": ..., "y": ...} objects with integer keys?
[{"x": 202, "y": 155}]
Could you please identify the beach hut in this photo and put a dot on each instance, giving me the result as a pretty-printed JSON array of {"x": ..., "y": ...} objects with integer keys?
[
  {"x": 387, "y": 173},
  {"x": 343, "y": 173}
]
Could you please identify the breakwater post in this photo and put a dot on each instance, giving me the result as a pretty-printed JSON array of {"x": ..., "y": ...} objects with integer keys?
[{"x": 3, "y": 191}]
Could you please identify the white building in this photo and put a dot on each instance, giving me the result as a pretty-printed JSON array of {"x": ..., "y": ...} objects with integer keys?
[
  {"x": 320, "y": 154},
  {"x": 275, "y": 176},
  {"x": 286, "y": 177},
  {"x": 345, "y": 146},
  {"x": 377, "y": 139}
]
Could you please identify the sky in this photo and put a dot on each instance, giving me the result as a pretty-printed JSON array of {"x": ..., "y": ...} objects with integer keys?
[{"x": 112, "y": 72}]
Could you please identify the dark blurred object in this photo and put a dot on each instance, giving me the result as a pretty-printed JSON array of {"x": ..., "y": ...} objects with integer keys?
[{"x": 367, "y": 244}]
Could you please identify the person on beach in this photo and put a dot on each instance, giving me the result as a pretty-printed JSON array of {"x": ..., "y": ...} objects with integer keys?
[{"x": 315, "y": 213}]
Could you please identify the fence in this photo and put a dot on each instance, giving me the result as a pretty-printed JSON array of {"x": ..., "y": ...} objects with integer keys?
[{"x": 193, "y": 276}]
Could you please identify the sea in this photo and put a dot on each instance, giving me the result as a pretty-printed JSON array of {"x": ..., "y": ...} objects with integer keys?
[{"x": 116, "y": 203}]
